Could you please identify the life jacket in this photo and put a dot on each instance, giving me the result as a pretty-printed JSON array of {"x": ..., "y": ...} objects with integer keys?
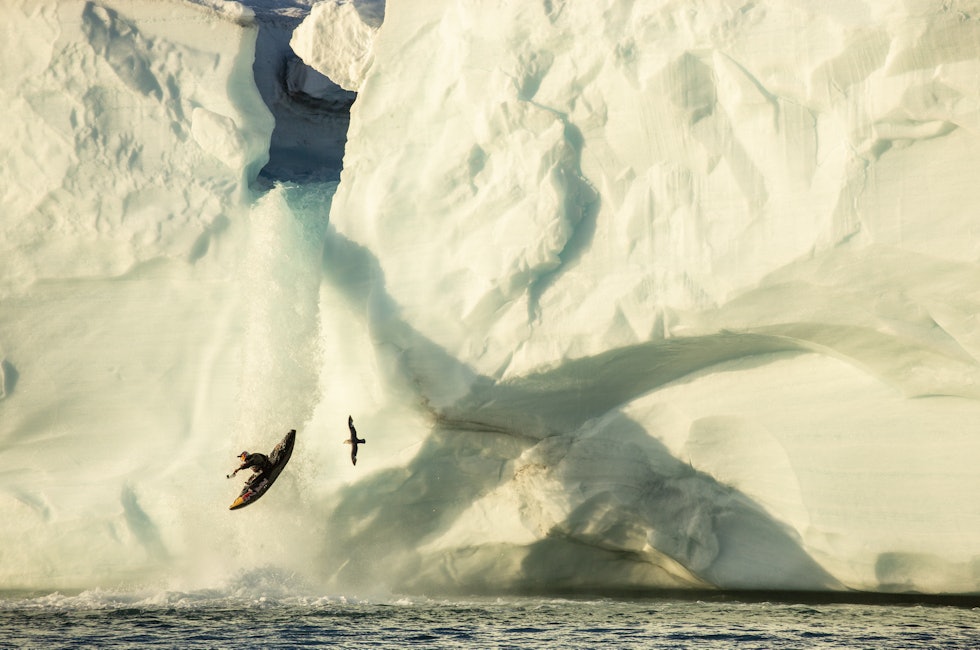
[{"x": 258, "y": 462}]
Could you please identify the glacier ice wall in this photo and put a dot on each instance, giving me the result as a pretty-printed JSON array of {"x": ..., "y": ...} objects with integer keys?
[
  {"x": 132, "y": 132},
  {"x": 688, "y": 288},
  {"x": 621, "y": 295},
  {"x": 104, "y": 119}
]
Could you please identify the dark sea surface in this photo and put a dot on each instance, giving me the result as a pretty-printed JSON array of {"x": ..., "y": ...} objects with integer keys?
[{"x": 104, "y": 619}]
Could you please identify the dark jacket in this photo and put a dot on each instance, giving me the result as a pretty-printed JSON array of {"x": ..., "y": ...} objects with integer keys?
[{"x": 258, "y": 462}]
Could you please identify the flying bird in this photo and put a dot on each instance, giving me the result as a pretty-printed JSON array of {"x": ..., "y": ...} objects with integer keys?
[{"x": 353, "y": 441}]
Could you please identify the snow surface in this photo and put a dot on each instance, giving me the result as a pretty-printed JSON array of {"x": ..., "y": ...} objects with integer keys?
[
  {"x": 621, "y": 295},
  {"x": 338, "y": 38}
]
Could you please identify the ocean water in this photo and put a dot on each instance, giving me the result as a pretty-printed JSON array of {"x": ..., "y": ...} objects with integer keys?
[{"x": 105, "y": 619}]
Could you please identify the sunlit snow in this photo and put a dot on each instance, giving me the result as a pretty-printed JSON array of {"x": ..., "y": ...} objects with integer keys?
[{"x": 622, "y": 295}]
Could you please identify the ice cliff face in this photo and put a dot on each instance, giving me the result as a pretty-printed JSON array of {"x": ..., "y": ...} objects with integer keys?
[
  {"x": 702, "y": 274},
  {"x": 622, "y": 296},
  {"x": 105, "y": 119},
  {"x": 132, "y": 131}
]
